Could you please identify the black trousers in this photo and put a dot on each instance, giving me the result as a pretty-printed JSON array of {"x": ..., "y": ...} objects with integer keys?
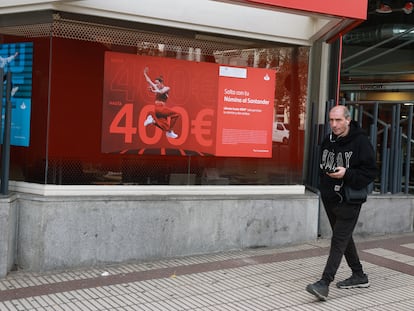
[{"x": 343, "y": 219}]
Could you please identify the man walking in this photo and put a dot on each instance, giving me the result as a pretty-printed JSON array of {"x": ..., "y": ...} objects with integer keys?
[{"x": 347, "y": 158}]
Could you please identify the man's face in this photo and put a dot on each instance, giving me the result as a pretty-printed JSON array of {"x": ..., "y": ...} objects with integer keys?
[{"x": 339, "y": 124}]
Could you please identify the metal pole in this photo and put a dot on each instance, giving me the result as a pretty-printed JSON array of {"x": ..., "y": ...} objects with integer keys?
[
  {"x": 329, "y": 105},
  {"x": 360, "y": 114},
  {"x": 393, "y": 136},
  {"x": 385, "y": 161},
  {"x": 1, "y": 100},
  {"x": 374, "y": 132},
  {"x": 400, "y": 158},
  {"x": 5, "y": 156},
  {"x": 396, "y": 144},
  {"x": 408, "y": 156}
]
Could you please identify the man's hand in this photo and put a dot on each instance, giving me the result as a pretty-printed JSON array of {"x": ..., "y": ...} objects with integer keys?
[{"x": 339, "y": 173}]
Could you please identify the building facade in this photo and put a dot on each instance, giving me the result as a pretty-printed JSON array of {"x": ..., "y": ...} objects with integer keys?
[{"x": 93, "y": 182}]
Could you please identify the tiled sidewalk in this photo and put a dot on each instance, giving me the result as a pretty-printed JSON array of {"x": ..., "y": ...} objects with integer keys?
[{"x": 261, "y": 279}]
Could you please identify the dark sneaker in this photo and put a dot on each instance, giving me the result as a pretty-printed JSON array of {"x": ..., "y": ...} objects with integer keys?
[
  {"x": 354, "y": 281},
  {"x": 319, "y": 289}
]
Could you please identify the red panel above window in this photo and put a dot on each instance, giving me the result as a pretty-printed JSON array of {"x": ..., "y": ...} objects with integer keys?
[{"x": 354, "y": 9}]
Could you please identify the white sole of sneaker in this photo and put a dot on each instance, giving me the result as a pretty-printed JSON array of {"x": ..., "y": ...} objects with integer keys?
[{"x": 365, "y": 285}]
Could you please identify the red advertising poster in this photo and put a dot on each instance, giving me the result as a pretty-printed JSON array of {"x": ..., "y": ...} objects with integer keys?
[{"x": 155, "y": 105}]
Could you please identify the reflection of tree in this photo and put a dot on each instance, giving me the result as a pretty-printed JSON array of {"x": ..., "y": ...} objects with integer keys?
[
  {"x": 291, "y": 80},
  {"x": 286, "y": 61},
  {"x": 291, "y": 65}
]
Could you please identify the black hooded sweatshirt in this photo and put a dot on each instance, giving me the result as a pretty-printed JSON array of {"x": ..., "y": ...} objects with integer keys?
[{"x": 354, "y": 152}]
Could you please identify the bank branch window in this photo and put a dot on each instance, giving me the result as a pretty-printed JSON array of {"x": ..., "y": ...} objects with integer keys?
[{"x": 168, "y": 112}]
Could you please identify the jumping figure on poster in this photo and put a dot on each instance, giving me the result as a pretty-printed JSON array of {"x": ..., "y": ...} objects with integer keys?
[
  {"x": 4, "y": 61},
  {"x": 162, "y": 117}
]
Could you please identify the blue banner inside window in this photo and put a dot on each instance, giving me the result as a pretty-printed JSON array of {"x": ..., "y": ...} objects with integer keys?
[{"x": 17, "y": 58}]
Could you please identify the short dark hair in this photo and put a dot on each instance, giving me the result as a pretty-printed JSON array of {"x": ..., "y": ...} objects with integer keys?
[{"x": 160, "y": 79}]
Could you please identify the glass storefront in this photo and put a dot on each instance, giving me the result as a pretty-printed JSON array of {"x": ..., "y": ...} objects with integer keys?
[{"x": 67, "y": 108}]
